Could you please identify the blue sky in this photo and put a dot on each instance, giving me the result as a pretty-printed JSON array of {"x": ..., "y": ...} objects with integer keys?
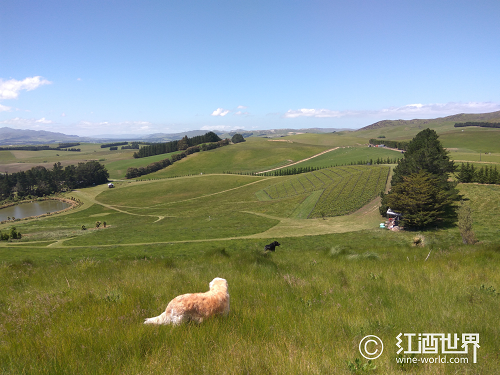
[{"x": 141, "y": 67}]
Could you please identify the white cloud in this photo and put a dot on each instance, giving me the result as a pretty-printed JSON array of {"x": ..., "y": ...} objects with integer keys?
[
  {"x": 225, "y": 128},
  {"x": 242, "y": 107},
  {"x": 418, "y": 109},
  {"x": 220, "y": 112},
  {"x": 443, "y": 108},
  {"x": 305, "y": 112},
  {"x": 239, "y": 113},
  {"x": 4, "y": 108},
  {"x": 27, "y": 123},
  {"x": 106, "y": 127},
  {"x": 43, "y": 120},
  {"x": 10, "y": 89}
]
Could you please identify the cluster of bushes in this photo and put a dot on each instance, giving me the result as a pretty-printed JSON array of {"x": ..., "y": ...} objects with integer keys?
[
  {"x": 237, "y": 138},
  {"x": 40, "y": 181},
  {"x": 400, "y": 145},
  {"x": 180, "y": 145},
  {"x": 481, "y": 124},
  {"x": 133, "y": 172},
  {"x": 132, "y": 146},
  {"x": 484, "y": 175},
  {"x": 70, "y": 149},
  {"x": 13, "y": 234}
]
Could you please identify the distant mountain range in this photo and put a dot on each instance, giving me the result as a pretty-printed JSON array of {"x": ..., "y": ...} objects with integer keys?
[{"x": 9, "y": 136}]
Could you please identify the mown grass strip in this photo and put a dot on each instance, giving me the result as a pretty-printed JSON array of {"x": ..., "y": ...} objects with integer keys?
[{"x": 304, "y": 209}]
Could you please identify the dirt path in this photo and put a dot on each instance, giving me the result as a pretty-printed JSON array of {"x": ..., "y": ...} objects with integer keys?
[{"x": 300, "y": 161}]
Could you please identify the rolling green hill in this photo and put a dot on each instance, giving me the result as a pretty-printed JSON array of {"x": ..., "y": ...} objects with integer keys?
[{"x": 407, "y": 129}]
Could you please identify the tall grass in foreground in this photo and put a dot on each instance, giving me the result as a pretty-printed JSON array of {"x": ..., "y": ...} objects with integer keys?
[{"x": 295, "y": 311}]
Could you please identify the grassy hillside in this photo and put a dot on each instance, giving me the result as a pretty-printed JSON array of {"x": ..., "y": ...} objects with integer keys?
[
  {"x": 15, "y": 161},
  {"x": 304, "y": 309},
  {"x": 407, "y": 129},
  {"x": 256, "y": 154}
]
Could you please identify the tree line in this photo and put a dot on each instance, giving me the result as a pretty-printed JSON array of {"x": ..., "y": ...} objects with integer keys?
[
  {"x": 481, "y": 124},
  {"x": 59, "y": 147},
  {"x": 484, "y": 175},
  {"x": 40, "y": 181},
  {"x": 106, "y": 145},
  {"x": 133, "y": 172},
  {"x": 299, "y": 170},
  {"x": 400, "y": 145},
  {"x": 172, "y": 146}
]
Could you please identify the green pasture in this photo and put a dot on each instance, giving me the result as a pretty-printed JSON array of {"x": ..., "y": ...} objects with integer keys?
[
  {"x": 337, "y": 139},
  {"x": 472, "y": 140},
  {"x": 19, "y": 160},
  {"x": 118, "y": 168}
]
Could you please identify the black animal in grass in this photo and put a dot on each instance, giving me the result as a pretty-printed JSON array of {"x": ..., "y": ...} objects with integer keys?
[{"x": 272, "y": 246}]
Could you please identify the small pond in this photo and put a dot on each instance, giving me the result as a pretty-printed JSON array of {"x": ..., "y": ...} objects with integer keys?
[{"x": 34, "y": 208}]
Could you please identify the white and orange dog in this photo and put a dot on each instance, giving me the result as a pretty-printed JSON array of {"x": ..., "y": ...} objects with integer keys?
[{"x": 196, "y": 306}]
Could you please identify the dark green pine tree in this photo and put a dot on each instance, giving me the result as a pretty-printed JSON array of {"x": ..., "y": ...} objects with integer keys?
[
  {"x": 421, "y": 200},
  {"x": 424, "y": 152},
  {"x": 425, "y": 160},
  {"x": 467, "y": 173}
]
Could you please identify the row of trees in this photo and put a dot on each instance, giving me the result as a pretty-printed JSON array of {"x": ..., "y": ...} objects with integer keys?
[
  {"x": 299, "y": 170},
  {"x": 483, "y": 175},
  {"x": 480, "y": 124},
  {"x": 180, "y": 145},
  {"x": 40, "y": 181},
  {"x": 133, "y": 172},
  {"x": 114, "y": 144},
  {"x": 59, "y": 147}
]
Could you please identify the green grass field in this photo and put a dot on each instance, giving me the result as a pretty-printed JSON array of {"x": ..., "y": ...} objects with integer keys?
[{"x": 73, "y": 301}]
